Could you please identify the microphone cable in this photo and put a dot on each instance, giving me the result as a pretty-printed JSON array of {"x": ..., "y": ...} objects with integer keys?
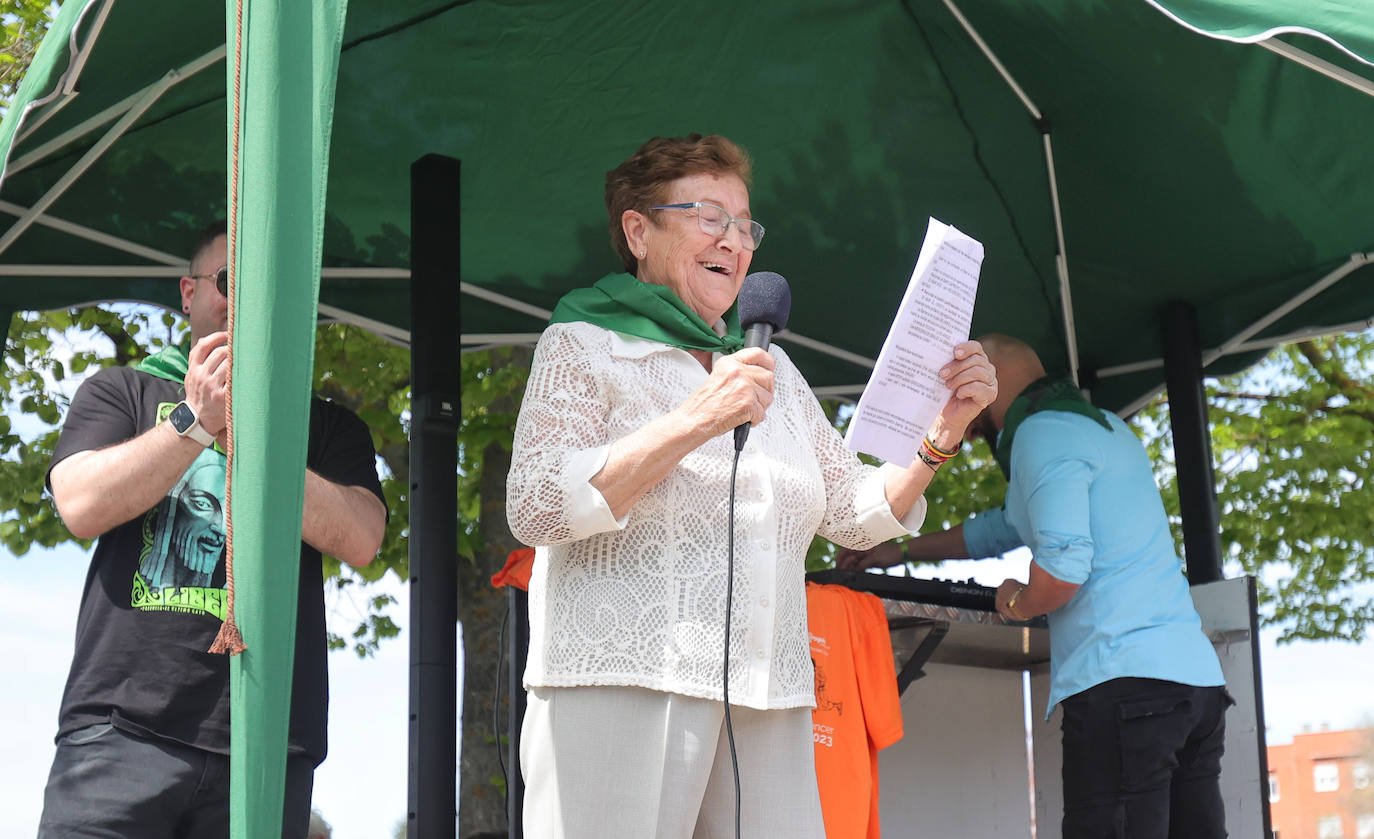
[
  {"x": 729, "y": 604},
  {"x": 496, "y": 714}
]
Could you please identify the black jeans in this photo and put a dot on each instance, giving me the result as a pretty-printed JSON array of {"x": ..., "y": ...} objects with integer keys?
[
  {"x": 1142, "y": 760},
  {"x": 108, "y": 783}
]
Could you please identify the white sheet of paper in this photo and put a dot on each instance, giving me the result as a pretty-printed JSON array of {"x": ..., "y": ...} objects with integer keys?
[{"x": 905, "y": 393}]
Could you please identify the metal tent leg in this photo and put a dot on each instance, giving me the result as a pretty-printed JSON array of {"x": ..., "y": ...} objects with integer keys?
[
  {"x": 434, "y": 390},
  {"x": 1197, "y": 492}
]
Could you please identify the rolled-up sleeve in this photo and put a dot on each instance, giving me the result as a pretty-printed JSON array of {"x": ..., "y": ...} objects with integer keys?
[
  {"x": 1055, "y": 480},
  {"x": 561, "y": 443},
  {"x": 989, "y": 534}
]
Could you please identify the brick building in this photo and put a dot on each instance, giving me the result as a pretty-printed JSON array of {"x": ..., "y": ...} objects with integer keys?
[{"x": 1321, "y": 786}]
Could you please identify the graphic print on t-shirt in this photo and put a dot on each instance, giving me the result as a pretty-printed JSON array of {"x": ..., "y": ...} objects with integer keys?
[{"x": 183, "y": 541}]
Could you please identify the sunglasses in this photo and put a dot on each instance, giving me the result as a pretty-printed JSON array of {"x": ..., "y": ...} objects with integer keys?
[{"x": 221, "y": 278}]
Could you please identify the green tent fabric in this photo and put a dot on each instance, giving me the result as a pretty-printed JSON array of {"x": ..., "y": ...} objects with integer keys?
[
  {"x": 1185, "y": 168},
  {"x": 45, "y": 77},
  {"x": 1345, "y": 24},
  {"x": 289, "y": 56}
]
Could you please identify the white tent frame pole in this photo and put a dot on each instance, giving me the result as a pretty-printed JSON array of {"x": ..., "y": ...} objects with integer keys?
[
  {"x": 1240, "y": 342},
  {"x": 385, "y": 330},
  {"x": 151, "y": 95},
  {"x": 366, "y": 273},
  {"x": 1326, "y": 68},
  {"x": 502, "y": 300},
  {"x": 543, "y": 314},
  {"x": 1305, "y": 335},
  {"x": 484, "y": 340},
  {"x": 96, "y": 271},
  {"x": 851, "y": 392},
  {"x": 1061, "y": 265},
  {"x": 1061, "y": 261},
  {"x": 59, "y": 142},
  {"x": 1250, "y": 346},
  {"x": 66, "y": 86},
  {"x": 83, "y": 54},
  {"x": 1355, "y": 261},
  {"x": 992, "y": 59},
  {"x": 826, "y": 349},
  {"x": 91, "y": 235},
  {"x": 173, "y": 268}
]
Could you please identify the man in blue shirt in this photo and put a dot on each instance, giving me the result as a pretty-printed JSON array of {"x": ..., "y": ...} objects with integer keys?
[{"x": 1140, "y": 683}]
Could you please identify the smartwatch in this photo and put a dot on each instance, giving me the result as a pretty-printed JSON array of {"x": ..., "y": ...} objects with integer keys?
[{"x": 186, "y": 424}]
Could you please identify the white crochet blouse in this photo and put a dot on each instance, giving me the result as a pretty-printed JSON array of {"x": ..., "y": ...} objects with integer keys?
[{"x": 640, "y": 601}]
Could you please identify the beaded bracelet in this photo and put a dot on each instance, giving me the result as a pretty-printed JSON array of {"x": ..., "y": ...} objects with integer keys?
[
  {"x": 939, "y": 452},
  {"x": 933, "y": 456}
]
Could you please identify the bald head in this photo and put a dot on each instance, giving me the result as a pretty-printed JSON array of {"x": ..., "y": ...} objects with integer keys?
[
  {"x": 1017, "y": 366},
  {"x": 1004, "y": 350}
]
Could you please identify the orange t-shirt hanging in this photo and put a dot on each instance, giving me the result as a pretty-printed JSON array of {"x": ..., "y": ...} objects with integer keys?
[
  {"x": 519, "y": 566},
  {"x": 858, "y": 710}
]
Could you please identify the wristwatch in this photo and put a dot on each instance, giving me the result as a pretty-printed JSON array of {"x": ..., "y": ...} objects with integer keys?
[{"x": 184, "y": 420}]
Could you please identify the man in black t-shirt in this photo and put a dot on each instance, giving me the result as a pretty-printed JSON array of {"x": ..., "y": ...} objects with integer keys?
[{"x": 143, "y": 732}]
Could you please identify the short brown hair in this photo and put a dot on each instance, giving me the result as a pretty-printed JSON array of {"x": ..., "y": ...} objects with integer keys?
[{"x": 639, "y": 183}]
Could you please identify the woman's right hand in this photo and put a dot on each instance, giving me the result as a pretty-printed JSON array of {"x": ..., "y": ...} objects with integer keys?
[{"x": 739, "y": 390}]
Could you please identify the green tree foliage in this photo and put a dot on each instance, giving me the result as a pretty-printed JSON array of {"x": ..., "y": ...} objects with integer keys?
[
  {"x": 371, "y": 377},
  {"x": 47, "y": 354},
  {"x": 493, "y": 382},
  {"x": 43, "y": 351},
  {"x": 1291, "y": 439},
  {"x": 23, "y": 23}
]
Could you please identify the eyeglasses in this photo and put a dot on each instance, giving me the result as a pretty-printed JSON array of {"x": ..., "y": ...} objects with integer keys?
[
  {"x": 221, "y": 278},
  {"x": 714, "y": 220}
]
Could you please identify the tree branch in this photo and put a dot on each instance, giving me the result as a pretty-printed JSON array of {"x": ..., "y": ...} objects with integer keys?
[
  {"x": 1331, "y": 370},
  {"x": 125, "y": 347},
  {"x": 1259, "y": 397}
]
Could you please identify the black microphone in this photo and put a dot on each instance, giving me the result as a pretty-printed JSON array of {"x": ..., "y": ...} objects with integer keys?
[{"x": 764, "y": 301}]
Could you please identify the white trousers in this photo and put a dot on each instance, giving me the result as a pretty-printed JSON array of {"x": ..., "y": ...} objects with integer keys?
[{"x": 630, "y": 763}]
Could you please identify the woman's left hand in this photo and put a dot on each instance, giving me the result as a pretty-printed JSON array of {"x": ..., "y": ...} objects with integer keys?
[{"x": 973, "y": 381}]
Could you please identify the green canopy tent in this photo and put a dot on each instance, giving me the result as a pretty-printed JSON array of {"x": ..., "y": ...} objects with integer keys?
[{"x": 1113, "y": 162}]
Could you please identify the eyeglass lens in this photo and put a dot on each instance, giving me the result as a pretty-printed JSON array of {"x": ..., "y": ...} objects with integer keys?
[
  {"x": 714, "y": 219},
  {"x": 222, "y": 281}
]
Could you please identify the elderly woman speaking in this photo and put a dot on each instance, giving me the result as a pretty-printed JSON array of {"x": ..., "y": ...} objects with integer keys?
[{"x": 622, "y": 467}]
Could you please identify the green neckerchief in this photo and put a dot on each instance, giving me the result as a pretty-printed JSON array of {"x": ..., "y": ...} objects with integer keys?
[
  {"x": 621, "y": 303},
  {"x": 1045, "y": 394},
  {"x": 168, "y": 363}
]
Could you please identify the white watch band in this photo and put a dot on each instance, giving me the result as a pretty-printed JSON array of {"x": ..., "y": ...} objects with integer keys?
[
  {"x": 195, "y": 430},
  {"x": 198, "y": 433}
]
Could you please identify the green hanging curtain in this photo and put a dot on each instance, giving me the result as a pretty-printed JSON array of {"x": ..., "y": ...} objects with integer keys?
[{"x": 283, "y": 60}]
